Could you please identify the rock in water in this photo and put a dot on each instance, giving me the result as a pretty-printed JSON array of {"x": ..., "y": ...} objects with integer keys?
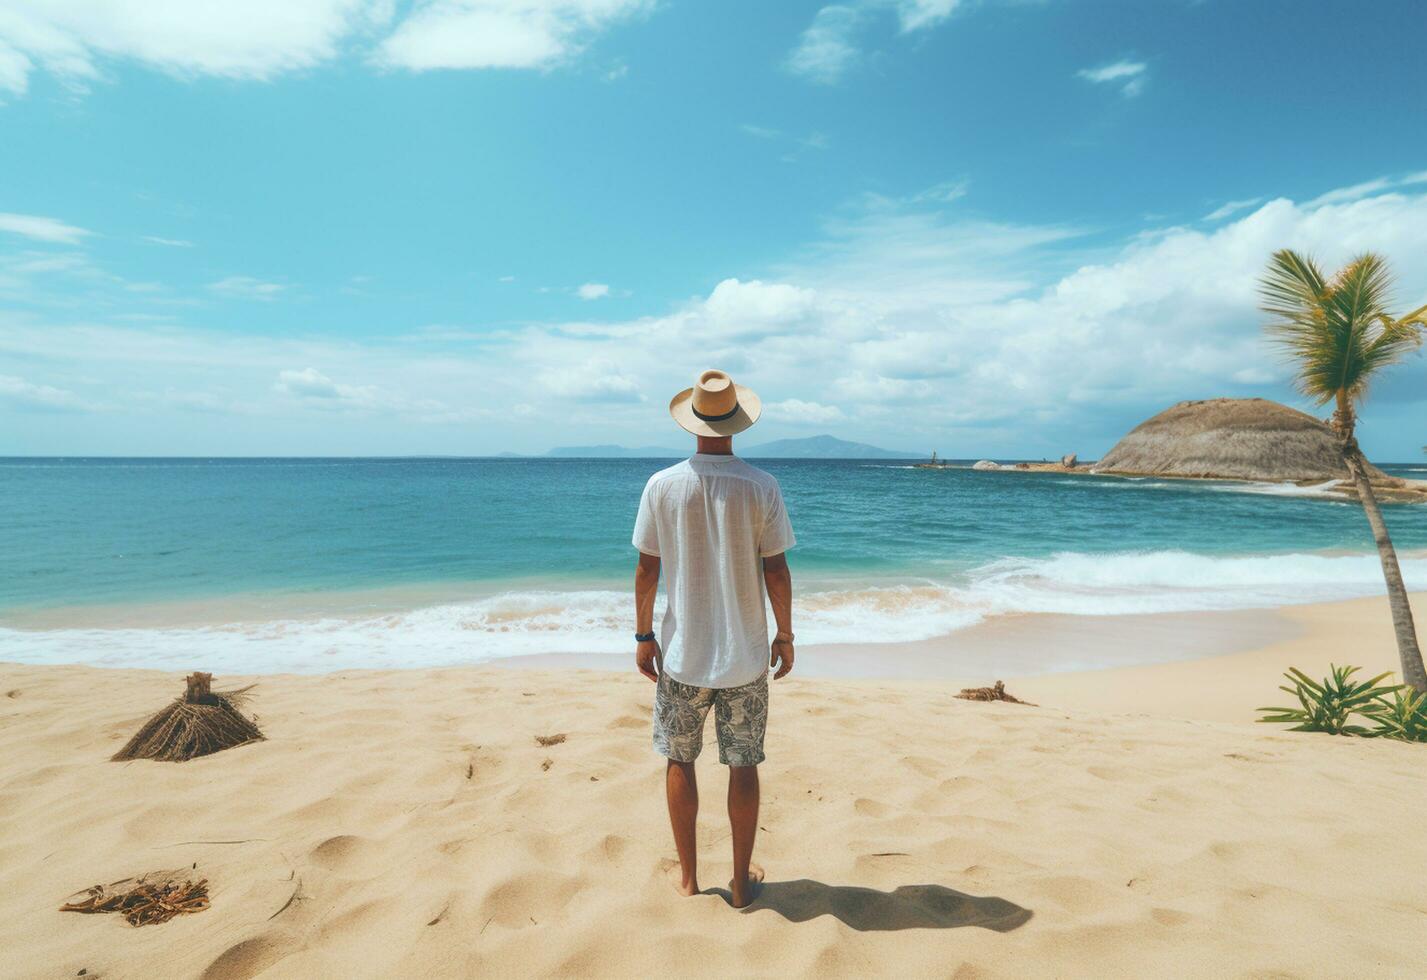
[
  {"x": 1068, "y": 461},
  {"x": 1232, "y": 439}
]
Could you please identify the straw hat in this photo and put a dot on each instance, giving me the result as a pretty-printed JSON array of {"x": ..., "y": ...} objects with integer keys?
[{"x": 715, "y": 406}]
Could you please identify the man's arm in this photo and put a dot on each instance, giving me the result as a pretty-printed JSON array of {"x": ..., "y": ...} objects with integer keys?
[
  {"x": 779, "y": 581},
  {"x": 646, "y": 585}
]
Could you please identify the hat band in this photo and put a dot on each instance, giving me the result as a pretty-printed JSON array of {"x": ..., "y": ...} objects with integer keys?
[{"x": 715, "y": 418}]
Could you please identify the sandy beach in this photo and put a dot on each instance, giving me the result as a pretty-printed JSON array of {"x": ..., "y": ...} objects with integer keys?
[{"x": 407, "y": 823}]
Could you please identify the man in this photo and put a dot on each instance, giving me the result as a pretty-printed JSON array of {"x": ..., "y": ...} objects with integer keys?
[{"x": 718, "y": 529}]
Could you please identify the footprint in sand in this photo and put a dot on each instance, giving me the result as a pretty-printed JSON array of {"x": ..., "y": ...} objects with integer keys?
[
  {"x": 245, "y": 959},
  {"x": 671, "y": 871},
  {"x": 344, "y": 853},
  {"x": 870, "y": 808}
]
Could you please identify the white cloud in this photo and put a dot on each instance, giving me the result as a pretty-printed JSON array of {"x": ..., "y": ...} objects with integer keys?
[
  {"x": 828, "y": 48},
  {"x": 254, "y": 39},
  {"x": 910, "y": 254},
  {"x": 246, "y": 287},
  {"x": 592, "y": 290},
  {"x": 42, "y": 229},
  {"x": 21, "y": 393},
  {"x": 739, "y": 308},
  {"x": 307, "y": 383},
  {"x": 913, "y": 322},
  {"x": 1128, "y": 75},
  {"x": 1230, "y": 207},
  {"x": 498, "y": 33},
  {"x": 972, "y": 324},
  {"x": 170, "y": 242},
  {"x": 14, "y": 70},
  {"x": 35, "y": 263},
  {"x": 797, "y": 411},
  {"x": 261, "y": 39},
  {"x": 825, "y": 51},
  {"x": 1367, "y": 188},
  {"x": 312, "y": 387},
  {"x": 914, "y": 15},
  {"x": 944, "y": 193},
  {"x": 598, "y": 381}
]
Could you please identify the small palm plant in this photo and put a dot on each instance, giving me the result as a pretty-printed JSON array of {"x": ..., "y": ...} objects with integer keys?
[
  {"x": 1339, "y": 335},
  {"x": 1329, "y": 706},
  {"x": 1403, "y": 717}
]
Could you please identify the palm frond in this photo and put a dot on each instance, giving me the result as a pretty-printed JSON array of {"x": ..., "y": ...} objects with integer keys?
[
  {"x": 1388, "y": 342},
  {"x": 1292, "y": 282},
  {"x": 1417, "y": 317},
  {"x": 1336, "y": 331}
]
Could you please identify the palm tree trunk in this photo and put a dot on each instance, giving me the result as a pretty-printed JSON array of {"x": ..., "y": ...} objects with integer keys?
[{"x": 1413, "y": 673}]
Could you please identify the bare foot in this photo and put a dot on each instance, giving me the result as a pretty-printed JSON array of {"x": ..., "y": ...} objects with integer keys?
[
  {"x": 674, "y": 872},
  {"x": 743, "y": 893}
]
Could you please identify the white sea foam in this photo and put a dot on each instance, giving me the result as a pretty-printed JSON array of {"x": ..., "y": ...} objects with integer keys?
[
  {"x": 1125, "y": 483},
  {"x": 1166, "y": 581},
  {"x": 1328, "y": 489},
  {"x": 595, "y": 621}
]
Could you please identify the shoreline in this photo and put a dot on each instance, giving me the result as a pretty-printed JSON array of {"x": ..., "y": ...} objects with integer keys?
[
  {"x": 1007, "y": 646},
  {"x": 1095, "y": 657}
]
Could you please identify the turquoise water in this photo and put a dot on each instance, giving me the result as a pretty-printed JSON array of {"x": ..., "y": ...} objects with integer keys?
[{"x": 533, "y": 555}]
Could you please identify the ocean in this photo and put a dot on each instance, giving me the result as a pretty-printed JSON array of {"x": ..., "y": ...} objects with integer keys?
[{"x": 258, "y": 565}]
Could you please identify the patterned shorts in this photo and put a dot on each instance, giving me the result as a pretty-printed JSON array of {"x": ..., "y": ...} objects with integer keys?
[{"x": 740, "y": 717}]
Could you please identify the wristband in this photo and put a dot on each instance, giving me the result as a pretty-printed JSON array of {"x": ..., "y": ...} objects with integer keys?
[
  {"x": 784, "y": 636},
  {"x": 644, "y": 637}
]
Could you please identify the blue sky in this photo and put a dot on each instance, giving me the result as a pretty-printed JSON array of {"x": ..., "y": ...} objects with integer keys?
[{"x": 989, "y": 228}]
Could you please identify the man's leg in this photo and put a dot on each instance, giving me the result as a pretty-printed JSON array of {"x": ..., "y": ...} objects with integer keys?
[
  {"x": 679, "y": 712},
  {"x": 682, "y": 790},
  {"x": 743, "y": 818},
  {"x": 741, "y": 716}
]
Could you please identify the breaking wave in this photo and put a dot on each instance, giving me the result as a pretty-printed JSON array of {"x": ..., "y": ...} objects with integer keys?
[{"x": 513, "y": 624}]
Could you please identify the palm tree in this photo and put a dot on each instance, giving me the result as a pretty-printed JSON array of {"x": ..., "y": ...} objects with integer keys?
[{"x": 1340, "y": 336}]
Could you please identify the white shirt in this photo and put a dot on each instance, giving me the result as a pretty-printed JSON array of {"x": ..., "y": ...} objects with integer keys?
[{"x": 711, "y": 520}]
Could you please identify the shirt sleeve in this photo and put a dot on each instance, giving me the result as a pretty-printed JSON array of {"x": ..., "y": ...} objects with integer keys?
[
  {"x": 777, "y": 536},
  {"x": 646, "y": 528}
]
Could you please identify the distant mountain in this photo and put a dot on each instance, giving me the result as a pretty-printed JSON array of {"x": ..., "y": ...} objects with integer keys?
[
  {"x": 814, "y": 447},
  {"x": 822, "y": 447},
  {"x": 619, "y": 452}
]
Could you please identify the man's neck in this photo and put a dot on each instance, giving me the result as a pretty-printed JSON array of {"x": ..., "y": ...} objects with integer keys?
[{"x": 715, "y": 445}]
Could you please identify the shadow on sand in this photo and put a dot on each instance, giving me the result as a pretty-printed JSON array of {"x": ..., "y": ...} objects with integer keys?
[{"x": 869, "y": 910}]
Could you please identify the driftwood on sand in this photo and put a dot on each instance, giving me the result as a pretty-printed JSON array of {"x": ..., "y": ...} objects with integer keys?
[
  {"x": 996, "y": 693},
  {"x": 201, "y": 722},
  {"x": 146, "y": 900}
]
